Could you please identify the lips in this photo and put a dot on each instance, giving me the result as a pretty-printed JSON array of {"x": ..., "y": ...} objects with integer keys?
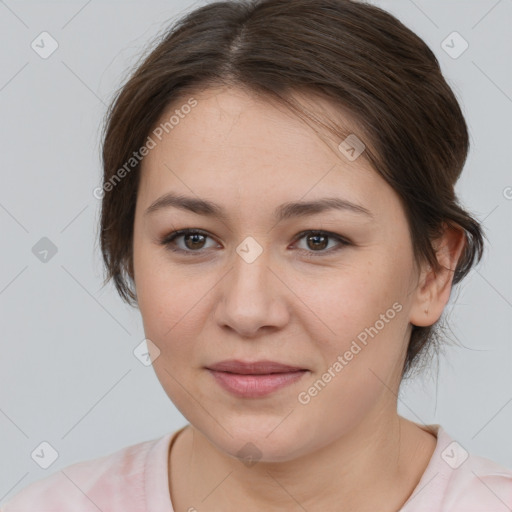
[
  {"x": 253, "y": 368},
  {"x": 254, "y": 379}
]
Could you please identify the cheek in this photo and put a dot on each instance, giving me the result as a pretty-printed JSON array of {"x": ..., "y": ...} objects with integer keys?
[
  {"x": 361, "y": 313},
  {"x": 169, "y": 308},
  {"x": 165, "y": 296},
  {"x": 347, "y": 300},
  {"x": 361, "y": 349}
]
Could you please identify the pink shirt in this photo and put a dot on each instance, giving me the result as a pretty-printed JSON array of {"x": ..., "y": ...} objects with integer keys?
[{"x": 135, "y": 479}]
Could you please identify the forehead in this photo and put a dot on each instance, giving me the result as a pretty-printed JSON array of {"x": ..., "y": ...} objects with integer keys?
[
  {"x": 230, "y": 119},
  {"x": 234, "y": 144}
]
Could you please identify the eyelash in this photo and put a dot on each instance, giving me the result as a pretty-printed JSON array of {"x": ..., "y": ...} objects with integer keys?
[{"x": 169, "y": 239}]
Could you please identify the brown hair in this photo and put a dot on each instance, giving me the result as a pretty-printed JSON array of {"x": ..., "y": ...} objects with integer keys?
[{"x": 358, "y": 57}]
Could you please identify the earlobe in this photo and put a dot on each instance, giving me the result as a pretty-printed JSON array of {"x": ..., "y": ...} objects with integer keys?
[{"x": 435, "y": 285}]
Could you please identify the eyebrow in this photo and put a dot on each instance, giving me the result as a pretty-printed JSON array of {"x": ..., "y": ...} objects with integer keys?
[{"x": 282, "y": 212}]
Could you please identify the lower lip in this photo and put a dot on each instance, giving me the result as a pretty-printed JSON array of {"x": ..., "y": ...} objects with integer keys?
[{"x": 254, "y": 386}]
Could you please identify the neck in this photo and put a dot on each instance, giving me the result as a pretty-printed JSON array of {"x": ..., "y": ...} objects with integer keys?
[{"x": 376, "y": 466}]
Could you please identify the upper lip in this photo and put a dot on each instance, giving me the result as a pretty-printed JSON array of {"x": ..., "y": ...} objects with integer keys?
[{"x": 253, "y": 368}]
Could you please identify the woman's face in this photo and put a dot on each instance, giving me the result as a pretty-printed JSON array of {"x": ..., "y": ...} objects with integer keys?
[{"x": 252, "y": 286}]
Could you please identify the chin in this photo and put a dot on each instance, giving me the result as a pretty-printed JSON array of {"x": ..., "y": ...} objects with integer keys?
[{"x": 260, "y": 439}]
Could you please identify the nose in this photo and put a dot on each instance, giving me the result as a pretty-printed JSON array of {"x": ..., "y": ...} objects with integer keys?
[{"x": 252, "y": 297}]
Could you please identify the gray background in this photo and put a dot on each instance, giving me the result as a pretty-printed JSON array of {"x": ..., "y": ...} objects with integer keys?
[{"x": 67, "y": 369}]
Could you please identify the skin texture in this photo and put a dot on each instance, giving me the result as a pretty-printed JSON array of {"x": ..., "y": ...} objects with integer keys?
[{"x": 347, "y": 448}]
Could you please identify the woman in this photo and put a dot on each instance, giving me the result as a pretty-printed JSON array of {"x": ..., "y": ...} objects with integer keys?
[{"x": 278, "y": 201}]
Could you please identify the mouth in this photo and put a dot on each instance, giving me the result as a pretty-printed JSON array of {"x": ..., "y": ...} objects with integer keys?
[{"x": 254, "y": 379}]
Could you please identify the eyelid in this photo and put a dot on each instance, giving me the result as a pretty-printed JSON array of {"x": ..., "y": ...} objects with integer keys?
[
  {"x": 342, "y": 241},
  {"x": 167, "y": 240},
  {"x": 330, "y": 234}
]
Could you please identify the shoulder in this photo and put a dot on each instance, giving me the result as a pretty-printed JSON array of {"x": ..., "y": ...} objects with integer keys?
[
  {"x": 112, "y": 482},
  {"x": 458, "y": 481},
  {"x": 478, "y": 485}
]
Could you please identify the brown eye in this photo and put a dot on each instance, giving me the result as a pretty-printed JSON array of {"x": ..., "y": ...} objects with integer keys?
[
  {"x": 194, "y": 241},
  {"x": 317, "y": 243},
  {"x": 191, "y": 241}
]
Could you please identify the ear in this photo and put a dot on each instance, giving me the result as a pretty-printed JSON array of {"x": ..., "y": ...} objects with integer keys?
[{"x": 433, "y": 289}]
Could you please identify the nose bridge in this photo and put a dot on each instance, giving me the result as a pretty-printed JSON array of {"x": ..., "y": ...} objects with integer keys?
[
  {"x": 250, "y": 271},
  {"x": 250, "y": 297}
]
